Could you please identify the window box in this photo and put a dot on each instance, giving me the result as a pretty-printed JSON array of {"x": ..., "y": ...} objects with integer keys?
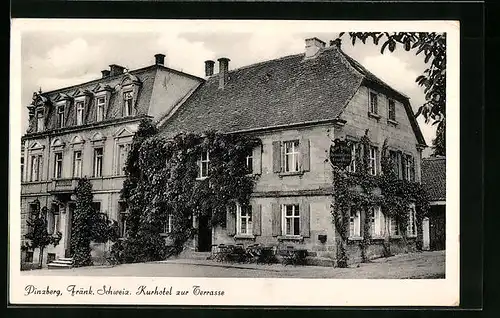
[
  {"x": 392, "y": 122},
  {"x": 374, "y": 115}
]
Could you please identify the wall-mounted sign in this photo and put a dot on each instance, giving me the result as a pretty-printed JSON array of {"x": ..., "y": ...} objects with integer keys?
[{"x": 340, "y": 154}]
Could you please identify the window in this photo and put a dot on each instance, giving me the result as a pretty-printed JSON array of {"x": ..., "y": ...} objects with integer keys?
[
  {"x": 409, "y": 168},
  {"x": 394, "y": 156},
  {"x": 122, "y": 219},
  {"x": 377, "y": 221},
  {"x": 354, "y": 155},
  {"x": 394, "y": 226},
  {"x": 29, "y": 257},
  {"x": 60, "y": 116},
  {"x": 127, "y": 103},
  {"x": 77, "y": 164},
  {"x": 291, "y": 156},
  {"x": 53, "y": 219},
  {"x": 40, "y": 121},
  {"x": 168, "y": 225},
  {"x": 372, "y": 167},
  {"x": 58, "y": 165},
  {"x": 96, "y": 206},
  {"x": 22, "y": 168},
  {"x": 354, "y": 224},
  {"x": 101, "y": 101},
  {"x": 373, "y": 103},
  {"x": 98, "y": 154},
  {"x": 36, "y": 167},
  {"x": 79, "y": 113},
  {"x": 292, "y": 219},
  {"x": 203, "y": 165},
  {"x": 244, "y": 220},
  {"x": 122, "y": 158},
  {"x": 249, "y": 162},
  {"x": 392, "y": 110},
  {"x": 411, "y": 229}
]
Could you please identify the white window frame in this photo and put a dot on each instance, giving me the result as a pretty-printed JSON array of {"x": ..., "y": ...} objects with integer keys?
[
  {"x": 128, "y": 100},
  {"x": 22, "y": 168},
  {"x": 394, "y": 227},
  {"x": 36, "y": 167},
  {"x": 285, "y": 218},
  {"x": 395, "y": 161},
  {"x": 373, "y": 164},
  {"x": 40, "y": 121},
  {"x": 98, "y": 172},
  {"x": 372, "y": 109},
  {"x": 249, "y": 162},
  {"x": 58, "y": 164},
  {"x": 203, "y": 174},
  {"x": 354, "y": 224},
  {"x": 77, "y": 169},
  {"x": 80, "y": 106},
  {"x": 377, "y": 222},
  {"x": 120, "y": 164},
  {"x": 168, "y": 226},
  {"x": 392, "y": 102},
  {"x": 352, "y": 166},
  {"x": 244, "y": 214},
  {"x": 60, "y": 116},
  {"x": 411, "y": 229},
  {"x": 408, "y": 166},
  {"x": 294, "y": 153},
  {"x": 100, "y": 107}
]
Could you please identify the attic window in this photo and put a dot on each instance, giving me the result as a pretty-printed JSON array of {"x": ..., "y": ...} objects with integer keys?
[
  {"x": 40, "y": 121},
  {"x": 79, "y": 113},
  {"x": 392, "y": 109},
  {"x": 101, "y": 102},
  {"x": 60, "y": 116},
  {"x": 127, "y": 103}
]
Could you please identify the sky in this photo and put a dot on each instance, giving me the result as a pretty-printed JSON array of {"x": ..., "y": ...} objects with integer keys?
[{"x": 52, "y": 59}]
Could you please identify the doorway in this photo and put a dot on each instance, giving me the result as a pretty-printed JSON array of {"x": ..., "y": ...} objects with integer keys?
[
  {"x": 204, "y": 234},
  {"x": 438, "y": 228},
  {"x": 68, "y": 251}
]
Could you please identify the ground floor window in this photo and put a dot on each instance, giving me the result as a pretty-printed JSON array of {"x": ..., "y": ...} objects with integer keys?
[
  {"x": 291, "y": 215},
  {"x": 411, "y": 229},
  {"x": 122, "y": 219},
  {"x": 168, "y": 225},
  {"x": 244, "y": 220},
  {"x": 28, "y": 258},
  {"x": 394, "y": 226},
  {"x": 377, "y": 221},
  {"x": 354, "y": 224}
]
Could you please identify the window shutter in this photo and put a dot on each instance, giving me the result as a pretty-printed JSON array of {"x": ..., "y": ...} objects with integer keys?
[
  {"x": 305, "y": 159},
  {"x": 257, "y": 159},
  {"x": 276, "y": 156},
  {"x": 257, "y": 219},
  {"x": 305, "y": 219},
  {"x": 276, "y": 230},
  {"x": 231, "y": 219}
]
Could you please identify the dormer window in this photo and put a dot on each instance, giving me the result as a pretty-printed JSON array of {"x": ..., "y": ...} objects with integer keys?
[
  {"x": 40, "y": 123},
  {"x": 101, "y": 102},
  {"x": 127, "y": 103},
  {"x": 79, "y": 113},
  {"x": 60, "y": 116}
]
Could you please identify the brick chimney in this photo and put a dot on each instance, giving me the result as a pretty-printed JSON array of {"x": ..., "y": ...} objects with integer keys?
[
  {"x": 105, "y": 73},
  {"x": 223, "y": 71},
  {"x": 313, "y": 46},
  {"x": 209, "y": 67},
  {"x": 160, "y": 59},
  {"x": 116, "y": 69}
]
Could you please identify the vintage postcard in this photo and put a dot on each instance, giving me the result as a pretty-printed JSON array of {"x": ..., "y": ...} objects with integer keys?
[{"x": 224, "y": 162}]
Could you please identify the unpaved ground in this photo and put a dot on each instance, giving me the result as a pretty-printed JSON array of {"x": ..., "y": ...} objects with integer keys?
[{"x": 414, "y": 265}]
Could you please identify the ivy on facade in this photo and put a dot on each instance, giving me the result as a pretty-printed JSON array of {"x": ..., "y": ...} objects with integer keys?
[
  {"x": 360, "y": 191},
  {"x": 163, "y": 181}
]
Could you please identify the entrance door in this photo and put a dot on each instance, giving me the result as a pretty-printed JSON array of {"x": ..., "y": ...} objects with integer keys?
[
  {"x": 438, "y": 228},
  {"x": 204, "y": 234},
  {"x": 68, "y": 252}
]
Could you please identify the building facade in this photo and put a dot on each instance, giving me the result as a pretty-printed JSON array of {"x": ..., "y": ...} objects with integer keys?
[
  {"x": 86, "y": 131},
  {"x": 297, "y": 105}
]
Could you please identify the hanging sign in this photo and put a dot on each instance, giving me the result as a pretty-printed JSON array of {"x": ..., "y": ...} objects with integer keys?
[{"x": 340, "y": 154}]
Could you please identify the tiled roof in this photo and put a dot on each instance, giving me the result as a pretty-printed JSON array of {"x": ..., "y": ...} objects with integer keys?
[
  {"x": 434, "y": 177},
  {"x": 289, "y": 90},
  {"x": 284, "y": 91}
]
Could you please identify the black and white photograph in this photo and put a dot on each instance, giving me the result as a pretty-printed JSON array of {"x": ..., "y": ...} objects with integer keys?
[{"x": 234, "y": 162}]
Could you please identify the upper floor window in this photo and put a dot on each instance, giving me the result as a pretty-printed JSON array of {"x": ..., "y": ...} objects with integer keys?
[
  {"x": 36, "y": 167},
  {"x": 22, "y": 168},
  {"x": 394, "y": 156},
  {"x": 291, "y": 156},
  {"x": 203, "y": 165},
  {"x": 77, "y": 164},
  {"x": 354, "y": 224},
  {"x": 372, "y": 165},
  {"x": 392, "y": 110},
  {"x": 123, "y": 151},
  {"x": 373, "y": 103},
  {"x": 100, "y": 103},
  {"x": 60, "y": 116},
  {"x": 244, "y": 220},
  {"x": 127, "y": 103},
  {"x": 354, "y": 157},
  {"x": 79, "y": 113},
  {"x": 291, "y": 216},
  {"x": 249, "y": 162},
  {"x": 98, "y": 156},
  {"x": 409, "y": 168},
  {"x": 58, "y": 165},
  {"x": 40, "y": 121}
]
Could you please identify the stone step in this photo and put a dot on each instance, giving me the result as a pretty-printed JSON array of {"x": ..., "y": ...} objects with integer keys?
[
  {"x": 63, "y": 262},
  {"x": 54, "y": 265},
  {"x": 70, "y": 259}
]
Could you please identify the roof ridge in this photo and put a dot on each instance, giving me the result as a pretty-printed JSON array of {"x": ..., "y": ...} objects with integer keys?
[{"x": 267, "y": 61}]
